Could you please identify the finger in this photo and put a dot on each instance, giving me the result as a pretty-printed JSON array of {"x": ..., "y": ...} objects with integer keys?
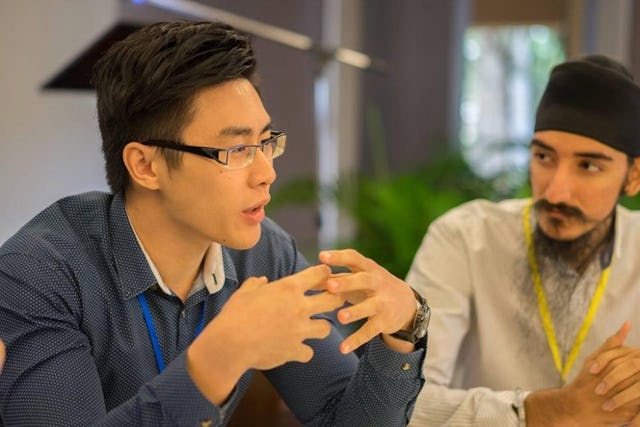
[
  {"x": 363, "y": 310},
  {"x": 601, "y": 356},
  {"x": 635, "y": 422},
  {"x": 608, "y": 360},
  {"x": 332, "y": 284},
  {"x": 311, "y": 278},
  {"x": 318, "y": 329},
  {"x": 303, "y": 354},
  {"x": 349, "y": 258},
  {"x": 629, "y": 394},
  {"x": 359, "y": 337},
  {"x": 323, "y": 302},
  {"x": 615, "y": 375},
  {"x": 351, "y": 282}
]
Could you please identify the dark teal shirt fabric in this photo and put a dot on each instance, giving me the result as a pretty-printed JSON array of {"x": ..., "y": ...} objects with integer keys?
[{"x": 79, "y": 351}]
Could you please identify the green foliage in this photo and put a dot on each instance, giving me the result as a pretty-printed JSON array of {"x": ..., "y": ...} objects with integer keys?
[
  {"x": 392, "y": 213},
  {"x": 299, "y": 191},
  {"x": 632, "y": 203}
]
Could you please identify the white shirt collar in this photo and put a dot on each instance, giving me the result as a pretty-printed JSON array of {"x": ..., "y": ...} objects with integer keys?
[{"x": 211, "y": 274}]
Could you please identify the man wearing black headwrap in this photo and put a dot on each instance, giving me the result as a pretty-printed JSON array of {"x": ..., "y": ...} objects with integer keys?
[{"x": 535, "y": 302}]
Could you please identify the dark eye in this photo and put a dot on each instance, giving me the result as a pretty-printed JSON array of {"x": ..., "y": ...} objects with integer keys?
[
  {"x": 540, "y": 155},
  {"x": 589, "y": 166}
]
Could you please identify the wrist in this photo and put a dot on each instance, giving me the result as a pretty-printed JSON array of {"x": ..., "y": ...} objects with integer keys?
[
  {"x": 550, "y": 408},
  {"x": 214, "y": 368},
  {"x": 415, "y": 328},
  {"x": 397, "y": 344}
]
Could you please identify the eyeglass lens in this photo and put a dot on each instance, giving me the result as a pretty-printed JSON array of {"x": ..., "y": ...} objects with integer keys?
[{"x": 241, "y": 156}]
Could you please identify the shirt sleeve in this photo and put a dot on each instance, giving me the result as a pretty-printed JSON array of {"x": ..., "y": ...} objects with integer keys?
[
  {"x": 478, "y": 406},
  {"x": 379, "y": 389},
  {"x": 332, "y": 389},
  {"x": 447, "y": 286},
  {"x": 50, "y": 377}
]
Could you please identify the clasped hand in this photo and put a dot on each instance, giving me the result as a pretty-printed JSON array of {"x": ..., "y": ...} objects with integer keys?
[{"x": 607, "y": 390}]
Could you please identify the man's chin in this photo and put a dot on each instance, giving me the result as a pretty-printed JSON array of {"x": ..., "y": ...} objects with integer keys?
[{"x": 245, "y": 242}]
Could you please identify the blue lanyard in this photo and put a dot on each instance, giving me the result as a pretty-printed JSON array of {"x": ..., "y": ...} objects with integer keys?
[{"x": 152, "y": 330}]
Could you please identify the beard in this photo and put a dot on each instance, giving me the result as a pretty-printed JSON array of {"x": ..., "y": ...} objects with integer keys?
[
  {"x": 577, "y": 253},
  {"x": 569, "y": 271}
]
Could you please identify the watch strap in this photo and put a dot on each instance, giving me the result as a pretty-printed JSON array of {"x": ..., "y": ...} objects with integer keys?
[{"x": 418, "y": 328}]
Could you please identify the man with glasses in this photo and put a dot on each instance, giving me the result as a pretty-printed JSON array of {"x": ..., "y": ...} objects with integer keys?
[{"x": 155, "y": 304}]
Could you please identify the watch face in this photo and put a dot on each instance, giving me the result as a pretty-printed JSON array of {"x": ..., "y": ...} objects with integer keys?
[{"x": 423, "y": 322}]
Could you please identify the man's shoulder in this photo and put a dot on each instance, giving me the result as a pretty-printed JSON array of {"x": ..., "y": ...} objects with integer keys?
[
  {"x": 482, "y": 211},
  {"x": 629, "y": 215},
  {"x": 67, "y": 222},
  {"x": 627, "y": 222}
]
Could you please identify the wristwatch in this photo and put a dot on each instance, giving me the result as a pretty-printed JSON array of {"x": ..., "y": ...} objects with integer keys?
[{"x": 420, "y": 323}]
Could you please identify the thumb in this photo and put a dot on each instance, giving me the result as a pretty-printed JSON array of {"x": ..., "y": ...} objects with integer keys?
[
  {"x": 603, "y": 354},
  {"x": 617, "y": 339}
]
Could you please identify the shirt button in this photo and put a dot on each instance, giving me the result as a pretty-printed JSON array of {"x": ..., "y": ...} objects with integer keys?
[
  {"x": 206, "y": 423},
  {"x": 406, "y": 367},
  {"x": 182, "y": 314}
]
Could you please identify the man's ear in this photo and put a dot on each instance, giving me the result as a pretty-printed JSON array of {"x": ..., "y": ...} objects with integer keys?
[
  {"x": 142, "y": 162},
  {"x": 632, "y": 187}
]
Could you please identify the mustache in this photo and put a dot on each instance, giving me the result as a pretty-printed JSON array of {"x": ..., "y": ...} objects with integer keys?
[{"x": 563, "y": 208}]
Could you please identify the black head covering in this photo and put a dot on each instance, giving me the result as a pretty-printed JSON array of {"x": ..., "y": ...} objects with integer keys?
[{"x": 596, "y": 97}]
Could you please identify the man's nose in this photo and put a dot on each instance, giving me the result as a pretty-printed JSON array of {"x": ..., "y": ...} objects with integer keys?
[
  {"x": 560, "y": 187},
  {"x": 263, "y": 172}
]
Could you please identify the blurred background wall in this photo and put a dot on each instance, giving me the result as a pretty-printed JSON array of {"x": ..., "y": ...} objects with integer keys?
[{"x": 398, "y": 116}]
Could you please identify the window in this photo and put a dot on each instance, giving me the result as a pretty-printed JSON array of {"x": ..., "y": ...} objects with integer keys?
[{"x": 505, "y": 71}]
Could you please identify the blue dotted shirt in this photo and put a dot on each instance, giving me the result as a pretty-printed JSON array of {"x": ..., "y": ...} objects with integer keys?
[{"x": 79, "y": 351}]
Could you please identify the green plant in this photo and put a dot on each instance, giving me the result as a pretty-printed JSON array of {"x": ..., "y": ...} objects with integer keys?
[{"x": 391, "y": 212}]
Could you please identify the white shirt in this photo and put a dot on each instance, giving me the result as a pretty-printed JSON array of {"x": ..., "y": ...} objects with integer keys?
[{"x": 485, "y": 338}]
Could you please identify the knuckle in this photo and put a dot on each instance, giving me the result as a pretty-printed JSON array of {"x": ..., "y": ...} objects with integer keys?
[
  {"x": 351, "y": 252},
  {"x": 306, "y": 354},
  {"x": 325, "y": 328}
]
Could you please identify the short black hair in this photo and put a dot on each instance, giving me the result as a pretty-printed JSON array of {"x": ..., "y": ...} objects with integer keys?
[{"x": 146, "y": 84}]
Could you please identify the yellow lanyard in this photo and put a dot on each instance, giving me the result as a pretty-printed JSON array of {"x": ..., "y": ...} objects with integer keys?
[{"x": 543, "y": 308}]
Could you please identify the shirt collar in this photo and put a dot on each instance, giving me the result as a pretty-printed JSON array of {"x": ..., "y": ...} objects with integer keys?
[
  {"x": 211, "y": 274},
  {"x": 138, "y": 272},
  {"x": 133, "y": 272}
]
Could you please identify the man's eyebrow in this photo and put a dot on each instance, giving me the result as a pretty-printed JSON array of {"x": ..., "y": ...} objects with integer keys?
[
  {"x": 241, "y": 130},
  {"x": 594, "y": 155},
  {"x": 541, "y": 144},
  {"x": 582, "y": 154}
]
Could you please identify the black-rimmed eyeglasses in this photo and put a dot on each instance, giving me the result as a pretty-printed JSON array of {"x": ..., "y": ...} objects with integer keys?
[{"x": 236, "y": 157}]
